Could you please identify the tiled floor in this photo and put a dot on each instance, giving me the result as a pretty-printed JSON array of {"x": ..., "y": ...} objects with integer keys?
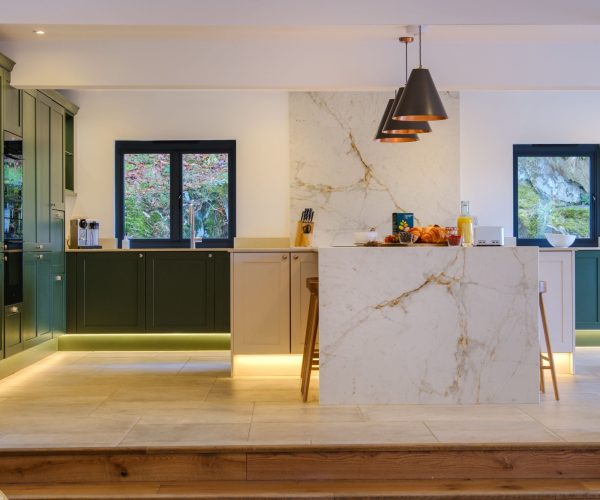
[{"x": 187, "y": 398}]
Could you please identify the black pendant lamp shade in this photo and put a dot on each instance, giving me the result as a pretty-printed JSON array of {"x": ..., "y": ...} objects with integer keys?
[
  {"x": 394, "y": 126},
  {"x": 420, "y": 99},
  {"x": 381, "y": 136}
]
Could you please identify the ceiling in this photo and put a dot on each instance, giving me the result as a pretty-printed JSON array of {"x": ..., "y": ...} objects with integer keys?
[{"x": 312, "y": 44}]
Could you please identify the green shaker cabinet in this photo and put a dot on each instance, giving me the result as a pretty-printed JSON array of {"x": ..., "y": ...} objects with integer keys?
[
  {"x": 222, "y": 292},
  {"x": 29, "y": 163},
  {"x": 57, "y": 158},
  {"x": 13, "y": 110},
  {"x": 111, "y": 290},
  {"x": 129, "y": 292},
  {"x": 37, "y": 297},
  {"x": 179, "y": 289},
  {"x": 587, "y": 288},
  {"x": 42, "y": 172}
]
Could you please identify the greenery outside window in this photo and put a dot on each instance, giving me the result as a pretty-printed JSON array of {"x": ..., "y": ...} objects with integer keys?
[
  {"x": 155, "y": 183},
  {"x": 554, "y": 190}
]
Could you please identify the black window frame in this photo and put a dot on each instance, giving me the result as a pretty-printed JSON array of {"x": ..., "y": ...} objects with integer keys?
[
  {"x": 176, "y": 149},
  {"x": 591, "y": 150}
]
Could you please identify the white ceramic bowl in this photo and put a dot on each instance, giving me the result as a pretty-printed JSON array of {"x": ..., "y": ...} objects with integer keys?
[
  {"x": 560, "y": 240},
  {"x": 361, "y": 237}
]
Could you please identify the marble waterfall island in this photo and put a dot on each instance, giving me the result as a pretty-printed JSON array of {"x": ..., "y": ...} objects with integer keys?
[{"x": 428, "y": 325}]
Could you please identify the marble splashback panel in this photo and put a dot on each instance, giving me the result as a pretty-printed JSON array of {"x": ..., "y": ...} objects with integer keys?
[{"x": 354, "y": 183}]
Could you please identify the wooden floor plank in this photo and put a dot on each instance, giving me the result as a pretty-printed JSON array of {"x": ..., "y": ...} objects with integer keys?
[
  {"x": 119, "y": 467},
  {"x": 467, "y": 464},
  {"x": 510, "y": 489}
]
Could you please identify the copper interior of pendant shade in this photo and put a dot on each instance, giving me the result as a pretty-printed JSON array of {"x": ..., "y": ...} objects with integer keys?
[
  {"x": 398, "y": 139},
  {"x": 382, "y": 136},
  {"x": 394, "y": 126}
]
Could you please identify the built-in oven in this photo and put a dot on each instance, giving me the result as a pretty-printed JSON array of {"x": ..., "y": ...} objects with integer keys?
[{"x": 13, "y": 219}]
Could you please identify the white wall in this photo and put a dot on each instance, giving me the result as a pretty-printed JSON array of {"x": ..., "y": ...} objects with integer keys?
[
  {"x": 491, "y": 122},
  {"x": 257, "y": 120}
]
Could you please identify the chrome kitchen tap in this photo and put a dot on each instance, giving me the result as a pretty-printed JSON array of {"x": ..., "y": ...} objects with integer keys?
[{"x": 192, "y": 216}]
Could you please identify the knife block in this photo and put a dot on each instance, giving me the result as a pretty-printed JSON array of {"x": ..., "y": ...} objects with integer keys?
[{"x": 304, "y": 234}]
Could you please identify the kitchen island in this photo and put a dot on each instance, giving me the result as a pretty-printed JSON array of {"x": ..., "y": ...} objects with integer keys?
[{"x": 428, "y": 325}]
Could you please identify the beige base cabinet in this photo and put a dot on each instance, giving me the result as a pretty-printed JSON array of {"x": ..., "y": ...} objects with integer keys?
[
  {"x": 557, "y": 270},
  {"x": 270, "y": 303},
  {"x": 302, "y": 266}
]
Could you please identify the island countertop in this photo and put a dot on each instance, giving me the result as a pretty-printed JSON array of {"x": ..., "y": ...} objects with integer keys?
[{"x": 428, "y": 325}]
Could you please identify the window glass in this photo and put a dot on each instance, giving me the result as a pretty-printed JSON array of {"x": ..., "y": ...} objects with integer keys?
[
  {"x": 554, "y": 194},
  {"x": 205, "y": 183},
  {"x": 147, "y": 195}
]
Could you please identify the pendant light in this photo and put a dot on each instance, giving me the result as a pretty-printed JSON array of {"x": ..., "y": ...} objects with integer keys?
[
  {"x": 393, "y": 126},
  {"x": 420, "y": 99},
  {"x": 381, "y": 136}
]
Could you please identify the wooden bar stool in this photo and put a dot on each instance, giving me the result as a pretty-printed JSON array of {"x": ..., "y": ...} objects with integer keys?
[
  {"x": 310, "y": 358},
  {"x": 550, "y": 366}
]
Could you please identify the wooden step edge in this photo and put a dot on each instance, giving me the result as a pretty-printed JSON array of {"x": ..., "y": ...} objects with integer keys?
[
  {"x": 455, "y": 489},
  {"x": 299, "y": 448}
]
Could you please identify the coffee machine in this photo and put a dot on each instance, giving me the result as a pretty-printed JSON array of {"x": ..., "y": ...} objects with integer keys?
[{"x": 84, "y": 233}]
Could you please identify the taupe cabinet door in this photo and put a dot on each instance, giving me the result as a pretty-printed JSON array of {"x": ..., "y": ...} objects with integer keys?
[
  {"x": 261, "y": 303},
  {"x": 302, "y": 266}
]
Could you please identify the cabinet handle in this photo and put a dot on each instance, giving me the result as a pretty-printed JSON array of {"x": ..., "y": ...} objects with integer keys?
[
  {"x": 141, "y": 255},
  {"x": 58, "y": 277},
  {"x": 6, "y": 258},
  {"x": 39, "y": 247},
  {"x": 14, "y": 309},
  {"x": 284, "y": 257},
  {"x": 295, "y": 257},
  {"x": 39, "y": 257},
  {"x": 210, "y": 255}
]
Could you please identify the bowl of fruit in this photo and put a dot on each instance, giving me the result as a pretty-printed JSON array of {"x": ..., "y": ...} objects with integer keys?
[{"x": 401, "y": 238}]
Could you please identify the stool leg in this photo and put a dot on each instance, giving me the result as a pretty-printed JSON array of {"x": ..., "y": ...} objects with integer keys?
[
  {"x": 312, "y": 342},
  {"x": 306, "y": 352},
  {"x": 542, "y": 385},
  {"x": 550, "y": 357}
]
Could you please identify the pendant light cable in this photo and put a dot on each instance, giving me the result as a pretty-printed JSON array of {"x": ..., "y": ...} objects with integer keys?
[
  {"x": 405, "y": 61},
  {"x": 420, "y": 65}
]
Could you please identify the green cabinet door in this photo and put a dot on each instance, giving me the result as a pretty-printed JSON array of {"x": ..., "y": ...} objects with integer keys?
[
  {"x": 57, "y": 231},
  {"x": 57, "y": 158},
  {"x": 13, "y": 110},
  {"x": 179, "y": 292},
  {"x": 587, "y": 296},
  {"x": 42, "y": 172},
  {"x": 37, "y": 297},
  {"x": 29, "y": 164},
  {"x": 59, "y": 320},
  {"x": 222, "y": 292},
  {"x": 71, "y": 291},
  {"x": 110, "y": 292}
]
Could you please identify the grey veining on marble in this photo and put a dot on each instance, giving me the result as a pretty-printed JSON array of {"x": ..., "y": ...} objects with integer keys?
[
  {"x": 354, "y": 183},
  {"x": 428, "y": 325}
]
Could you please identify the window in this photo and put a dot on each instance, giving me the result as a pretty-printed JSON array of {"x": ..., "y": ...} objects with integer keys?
[
  {"x": 157, "y": 181},
  {"x": 554, "y": 189}
]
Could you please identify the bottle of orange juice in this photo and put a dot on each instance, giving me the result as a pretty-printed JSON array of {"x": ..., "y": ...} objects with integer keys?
[{"x": 465, "y": 224}]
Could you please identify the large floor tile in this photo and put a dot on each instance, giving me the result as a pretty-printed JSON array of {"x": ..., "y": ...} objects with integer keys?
[
  {"x": 59, "y": 440},
  {"x": 154, "y": 393},
  {"x": 186, "y": 434},
  {"x": 387, "y": 413},
  {"x": 205, "y": 413},
  {"x": 45, "y": 424},
  {"x": 303, "y": 413},
  {"x": 490, "y": 431},
  {"x": 341, "y": 433}
]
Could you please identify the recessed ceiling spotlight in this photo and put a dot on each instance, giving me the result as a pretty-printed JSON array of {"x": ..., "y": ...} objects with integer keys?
[{"x": 39, "y": 32}]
